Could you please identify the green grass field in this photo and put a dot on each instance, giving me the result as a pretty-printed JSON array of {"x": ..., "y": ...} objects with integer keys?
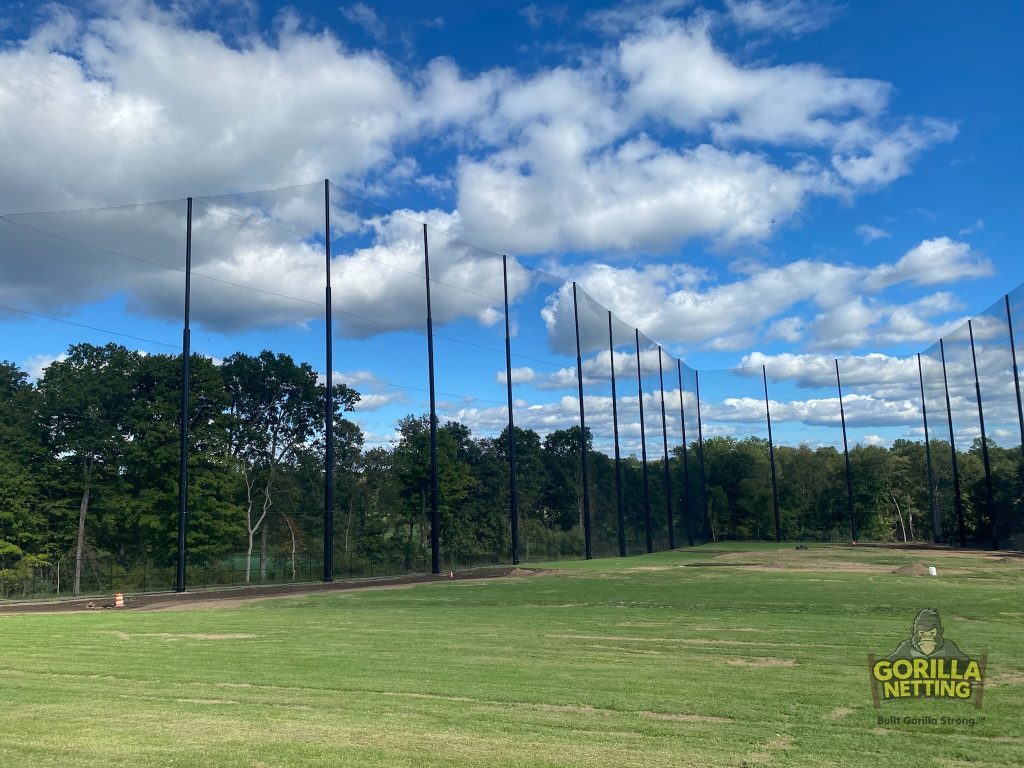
[{"x": 636, "y": 662}]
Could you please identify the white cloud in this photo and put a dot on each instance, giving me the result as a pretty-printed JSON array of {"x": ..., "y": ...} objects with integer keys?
[
  {"x": 870, "y": 233},
  {"x": 790, "y": 17},
  {"x": 627, "y": 15},
  {"x": 365, "y": 17},
  {"x": 681, "y": 305},
  {"x": 569, "y": 157},
  {"x": 978, "y": 224},
  {"x": 35, "y": 366},
  {"x": 521, "y": 375}
]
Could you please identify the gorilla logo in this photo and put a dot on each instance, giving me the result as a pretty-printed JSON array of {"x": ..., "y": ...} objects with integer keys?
[{"x": 926, "y": 640}]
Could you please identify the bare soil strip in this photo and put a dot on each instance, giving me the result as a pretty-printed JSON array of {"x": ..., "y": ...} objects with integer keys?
[{"x": 212, "y": 598}]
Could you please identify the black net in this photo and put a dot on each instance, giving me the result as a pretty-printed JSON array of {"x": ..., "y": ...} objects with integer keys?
[
  {"x": 91, "y": 305},
  {"x": 810, "y": 461},
  {"x": 737, "y": 455}
]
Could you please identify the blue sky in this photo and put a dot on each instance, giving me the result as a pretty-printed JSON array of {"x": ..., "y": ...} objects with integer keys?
[{"x": 751, "y": 181}]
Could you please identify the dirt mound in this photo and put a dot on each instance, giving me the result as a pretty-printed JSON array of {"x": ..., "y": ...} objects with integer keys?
[{"x": 914, "y": 569}]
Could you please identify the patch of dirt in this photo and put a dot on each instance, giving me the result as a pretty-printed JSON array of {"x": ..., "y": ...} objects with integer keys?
[
  {"x": 1005, "y": 678},
  {"x": 913, "y": 569},
  {"x": 687, "y": 718},
  {"x": 839, "y": 713},
  {"x": 650, "y": 568},
  {"x": 582, "y": 710},
  {"x": 882, "y": 731},
  {"x": 206, "y": 701},
  {"x": 761, "y": 662},
  {"x": 216, "y": 598},
  {"x": 779, "y": 741},
  {"x": 182, "y": 636}
]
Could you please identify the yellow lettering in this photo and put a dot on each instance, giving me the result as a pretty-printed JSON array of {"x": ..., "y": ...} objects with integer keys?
[
  {"x": 882, "y": 671},
  {"x": 902, "y": 669}
]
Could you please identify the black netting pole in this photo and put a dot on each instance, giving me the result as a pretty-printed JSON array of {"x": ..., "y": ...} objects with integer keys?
[
  {"x": 936, "y": 523},
  {"x": 618, "y": 456},
  {"x": 435, "y": 507},
  {"x": 771, "y": 458},
  {"x": 329, "y": 405},
  {"x": 664, "y": 440},
  {"x": 643, "y": 448},
  {"x": 957, "y": 498},
  {"x": 1016, "y": 375},
  {"x": 989, "y": 497},
  {"x": 687, "y": 512},
  {"x": 583, "y": 435},
  {"x": 186, "y": 359},
  {"x": 846, "y": 453},
  {"x": 700, "y": 454},
  {"x": 513, "y": 490}
]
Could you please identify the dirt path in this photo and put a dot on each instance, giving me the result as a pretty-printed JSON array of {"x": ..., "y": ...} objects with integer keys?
[{"x": 216, "y": 598}]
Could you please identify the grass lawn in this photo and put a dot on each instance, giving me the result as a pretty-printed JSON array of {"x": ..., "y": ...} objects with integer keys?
[{"x": 640, "y": 662}]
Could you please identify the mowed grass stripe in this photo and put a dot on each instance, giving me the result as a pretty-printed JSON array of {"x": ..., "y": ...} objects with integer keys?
[{"x": 590, "y": 666}]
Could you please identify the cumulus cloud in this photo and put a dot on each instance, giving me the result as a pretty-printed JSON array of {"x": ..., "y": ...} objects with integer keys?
[
  {"x": 681, "y": 305},
  {"x": 521, "y": 375},
  {"x": 634, "y": 146},
  {"x": 939, "y": 260}
]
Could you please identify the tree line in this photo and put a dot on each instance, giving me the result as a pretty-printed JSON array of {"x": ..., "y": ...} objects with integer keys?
[{"x": 89, "y": 480}]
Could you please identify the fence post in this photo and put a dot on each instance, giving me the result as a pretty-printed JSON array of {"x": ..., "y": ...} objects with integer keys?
[
  {"x": 513, "y": 489},
  {"x": 936, "y": 524},
  {"x": 700, "y": 453},
  {"x": 957, "y": 498},
  {"x": 664, "y": 439},
  {"x": 329, "y": 404},
  {"x": 771, "y": 457},
  {"x": 621, "y": 515},
  {"x": 687, "y": 512},
  {"x": 643, "y": 448},
  {"x": 990, "y": 497},
  {"x": 435, "y": 509},
  {"x": 846, "y": 453},
  {"x": 186, "y": 358},
  {"x": 583, "y": 434}
]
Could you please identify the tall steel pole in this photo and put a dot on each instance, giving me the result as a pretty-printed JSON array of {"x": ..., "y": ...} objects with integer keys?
[
  {"x": 700, "y": 453},
  {"x": 329, "y": 405},
  {"x": 513, "y": 488},
  {"x": 957, "y": 498},
  {"x": 936, "y": 523},
  {"x": 186, "y": 359},
  {"x": 664, "y": 440},
  {"x": 687, "y": 511},
  {"x": 588, "y": 545},
  {"x": 435, "y": 506},
  {"x": 643, "y": 448},
  {"x": 846, "y": 453},
  {"x": 990, "y": 496},
  {"x": 771, "y": 458},
  {"x": 620, "y": 512}
]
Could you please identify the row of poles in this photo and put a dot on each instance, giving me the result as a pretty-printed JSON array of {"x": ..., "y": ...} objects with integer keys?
[{"x": 328, "y": 533}]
